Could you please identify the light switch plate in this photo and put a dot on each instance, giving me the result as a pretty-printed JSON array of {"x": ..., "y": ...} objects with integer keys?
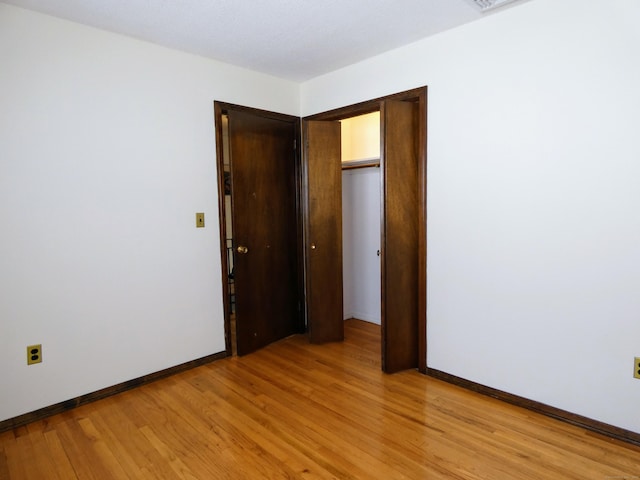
[{"x": 200, "y": 220}]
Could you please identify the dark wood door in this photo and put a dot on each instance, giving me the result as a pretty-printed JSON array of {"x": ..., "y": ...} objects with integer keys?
[
  {"x": 263, "y": 179},
  {"x": 400, "y": 235},
  {"x": 324, "y": 231}
]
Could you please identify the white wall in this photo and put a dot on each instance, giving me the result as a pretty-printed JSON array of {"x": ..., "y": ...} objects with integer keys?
[
  {"x": 361, "y": 241},
  {"x": 106, "y": 152},
  {"x": 533, "y": 173}
]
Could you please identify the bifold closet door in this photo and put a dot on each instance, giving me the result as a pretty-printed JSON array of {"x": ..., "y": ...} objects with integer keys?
[
  {"x": 400, "y": 235},
  {"x": 323, "y": 231}
]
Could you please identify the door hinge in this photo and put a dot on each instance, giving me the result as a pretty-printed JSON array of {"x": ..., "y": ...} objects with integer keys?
[{"x": 295, "y": 144}]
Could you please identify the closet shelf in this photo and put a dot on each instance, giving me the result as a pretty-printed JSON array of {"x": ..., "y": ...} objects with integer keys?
[{"x": 363, "y": 163}]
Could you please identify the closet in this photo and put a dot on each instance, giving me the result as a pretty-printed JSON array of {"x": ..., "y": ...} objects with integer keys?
[
  {"x": 361, "y": 203},
  {"x": 293, "y": 197}
]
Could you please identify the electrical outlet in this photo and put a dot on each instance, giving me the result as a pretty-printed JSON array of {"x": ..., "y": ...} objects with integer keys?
[
  {"x": 34, "y": 354},
  {"x": 199, "y": 220},
  {"x": 636, "y": 367}
]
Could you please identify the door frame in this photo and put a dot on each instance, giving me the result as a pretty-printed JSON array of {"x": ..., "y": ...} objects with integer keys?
[
  {"x": 418, "y": 96},
  {"x": 220, "y": 109}
]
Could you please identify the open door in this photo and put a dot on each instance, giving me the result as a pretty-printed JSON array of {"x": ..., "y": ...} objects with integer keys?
[
  {"x": 400, "y": 235},
  {"x": 265, "y": 234},
  {"x": 323, "y": 239}
]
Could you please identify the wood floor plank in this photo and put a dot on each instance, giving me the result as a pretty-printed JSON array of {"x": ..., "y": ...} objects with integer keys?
[
  {"x": 228, "y": 432},
  {"x": 309, "y": 430},
  {"x": 180, "y": 469},
  {"x": 53, "y": 466},
  {"x": 264, "y": 430},
  {"x": 157, "y": 415},
  {"x": 327, "y": 409},
  {"x": 62, "y": 467},
  {"x": 129, "y": 445},
  {"x": 298, "y": 411},
  {"x": 86, "y": 453}
]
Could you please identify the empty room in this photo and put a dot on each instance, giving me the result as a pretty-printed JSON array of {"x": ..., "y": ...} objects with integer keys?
[{"x": 190, "y": 214}]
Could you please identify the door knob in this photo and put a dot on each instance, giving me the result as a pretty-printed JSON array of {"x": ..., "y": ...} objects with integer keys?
[
  {"x": 313, "y": 246},
  {"x": 242, "y": 249}
]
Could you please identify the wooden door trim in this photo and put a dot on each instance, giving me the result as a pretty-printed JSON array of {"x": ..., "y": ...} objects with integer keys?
[
  {"x": 418, "y": 95},
  {"x": 220, "y": 108},
  {"x": 368, "y": 106},
  {"x": 422, "y": 231}
]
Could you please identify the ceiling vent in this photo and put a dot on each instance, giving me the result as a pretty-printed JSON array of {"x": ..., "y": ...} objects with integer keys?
[{"x": 486, "y": 5}]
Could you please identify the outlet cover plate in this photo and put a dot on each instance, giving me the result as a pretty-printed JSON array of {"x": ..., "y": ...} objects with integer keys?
[
  {"x": 34, "y": 354},
  {"x": 636, "y": 367}
]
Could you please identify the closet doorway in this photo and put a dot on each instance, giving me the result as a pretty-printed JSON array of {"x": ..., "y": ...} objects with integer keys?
[
  {"x": 361, "y": 204},
  {"x": 403, "y": 132}
]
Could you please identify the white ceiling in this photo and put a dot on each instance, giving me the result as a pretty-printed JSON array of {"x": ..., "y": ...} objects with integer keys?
[{"x": 293, "y": 39}]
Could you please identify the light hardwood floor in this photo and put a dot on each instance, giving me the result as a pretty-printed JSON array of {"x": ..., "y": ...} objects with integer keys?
[{"x": 294, "y": 410}]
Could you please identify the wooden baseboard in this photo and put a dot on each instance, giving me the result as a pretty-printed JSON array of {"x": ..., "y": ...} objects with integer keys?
[
  {"x": 601, "y": 428},
  {"x": 568, "y": 417},
  {"x": 45, "y": 412}
]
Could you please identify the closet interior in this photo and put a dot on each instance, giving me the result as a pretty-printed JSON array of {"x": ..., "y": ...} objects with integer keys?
[{"x": 361, "y": 204}]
